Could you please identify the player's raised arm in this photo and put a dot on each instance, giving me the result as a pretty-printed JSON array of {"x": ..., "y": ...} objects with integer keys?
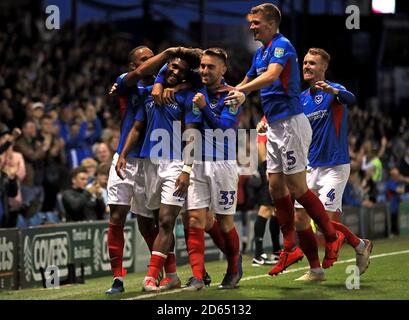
[
  {"x": 344, "y": 96},
  {"x": 150, "y": 66},
  {"x": 264, "y": 80}
]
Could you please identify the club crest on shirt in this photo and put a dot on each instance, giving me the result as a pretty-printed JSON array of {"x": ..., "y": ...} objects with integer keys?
[
  {"x": 278, "y": 52},
  {"x": 318, "y": 98},
  {"x": 213, "y": 103}
]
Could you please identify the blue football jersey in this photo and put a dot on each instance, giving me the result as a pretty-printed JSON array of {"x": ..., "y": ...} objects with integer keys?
[
  {"x": 328, "y": 119},
  {"x": 281, "y": 98},
  {"x": 165, "y": 122},
  {"x": 214, "y": 147},
  {"x": 134, "y": 105}
]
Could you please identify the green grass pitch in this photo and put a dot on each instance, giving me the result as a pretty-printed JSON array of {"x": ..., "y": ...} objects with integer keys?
[{"x": 386, "y": 278}]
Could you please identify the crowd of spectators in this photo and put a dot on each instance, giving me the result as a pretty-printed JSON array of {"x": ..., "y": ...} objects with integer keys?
[{"x": 55, "y": 90}]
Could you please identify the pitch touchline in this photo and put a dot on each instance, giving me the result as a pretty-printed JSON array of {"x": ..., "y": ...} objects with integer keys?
[{"x": 150, "y": 295}]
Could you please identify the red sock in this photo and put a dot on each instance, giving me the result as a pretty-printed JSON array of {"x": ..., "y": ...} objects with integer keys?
[
  {"x": 186, "y": 241},
  {"x": 116, "y": 248},
  {"x": 232, "y": 249},
  {"x": 156, "y": 264},
  {"x": 217, "y": 236},
  {"x": 316, "y": 211},
  {"x": 285, "y": 217},
  {"x": 170, "y": 263},
  {"x": 196, "y": 250},
  {"x": 308, "y": 244},
  {"x": 352, "y": 239}
]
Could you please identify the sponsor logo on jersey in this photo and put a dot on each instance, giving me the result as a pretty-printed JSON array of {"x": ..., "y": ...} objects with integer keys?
[
  {"x": 317, "y": 115},
  {"x": 261, "y": 70},
  {"x": 173, "y": 106}
]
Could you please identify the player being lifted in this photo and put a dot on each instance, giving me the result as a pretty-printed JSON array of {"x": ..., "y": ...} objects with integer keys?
[
  {"x": 275, "y": 73},
  {"x": 127, "y": 192},
  {"x": 325, "y": 104},
  {"x": 214, "y": 177},
  {"x": 166, "y": 174}
]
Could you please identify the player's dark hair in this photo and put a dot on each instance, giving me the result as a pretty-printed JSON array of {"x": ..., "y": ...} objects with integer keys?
[
  {"x": 217, "y": 52},
  {"x": 191, "y": 56},
  {"x": 269, "y": 11},
  {"x": 77, "y": 171},
  {"x": 320, "y": 52},
  {"x": 131, "y": 53}
]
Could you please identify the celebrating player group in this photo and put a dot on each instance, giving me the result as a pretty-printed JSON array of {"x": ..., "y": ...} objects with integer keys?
[{"x": 170, "y": 162}]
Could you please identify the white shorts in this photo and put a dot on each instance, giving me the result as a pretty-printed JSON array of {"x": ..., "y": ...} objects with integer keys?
[
  {"x": 131, "y": 190},
  {"x": 287, "y": 145},
  {"x": 160, "y": 182},
  {"x": 213, "y": 185},
  {"x": 329, "y": 184}
]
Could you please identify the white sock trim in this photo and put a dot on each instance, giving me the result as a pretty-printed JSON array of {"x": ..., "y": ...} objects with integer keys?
[{"x": 160, "y": 254}]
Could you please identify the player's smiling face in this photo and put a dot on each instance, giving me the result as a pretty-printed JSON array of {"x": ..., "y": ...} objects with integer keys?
[
  {"x": 263, "y": 30},
  {"x": 176, "y": 73},
  {"x": 211, "y": 70},
  {"x": 313, "y": 68}
]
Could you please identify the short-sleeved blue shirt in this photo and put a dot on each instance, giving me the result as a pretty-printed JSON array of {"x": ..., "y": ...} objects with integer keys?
[{"x": 281, "y": 98}]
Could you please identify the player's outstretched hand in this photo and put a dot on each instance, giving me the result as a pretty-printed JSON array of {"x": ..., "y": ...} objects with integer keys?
[
  {"x": 168, "y": 96},
  {"x": 182, "y": 184},
  {"x": 176, "y": 50},
  {"x": 235, "y": 97},
  {"x": 157, "y": 91},
  {"x": 114, "y": 87},
  {"x": 323, "y": 86},
  {"x": 261, "y": 127},
  {"x": 120, "y": 166}
]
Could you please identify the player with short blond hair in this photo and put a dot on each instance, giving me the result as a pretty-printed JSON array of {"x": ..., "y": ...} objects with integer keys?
[{"x": 325, "y": 105}]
